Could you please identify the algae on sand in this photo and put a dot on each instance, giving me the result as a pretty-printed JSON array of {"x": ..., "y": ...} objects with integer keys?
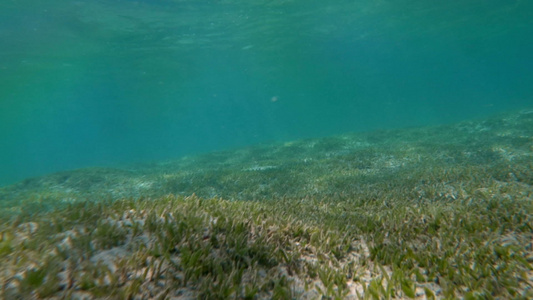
[{"x": 441, "y": 212}]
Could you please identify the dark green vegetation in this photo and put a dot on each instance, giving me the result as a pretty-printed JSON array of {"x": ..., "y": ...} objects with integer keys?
[{"x": 436, "y": 213}]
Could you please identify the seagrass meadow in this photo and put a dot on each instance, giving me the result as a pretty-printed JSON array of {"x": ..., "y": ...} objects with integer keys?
[{"x": 439, "y": 212}]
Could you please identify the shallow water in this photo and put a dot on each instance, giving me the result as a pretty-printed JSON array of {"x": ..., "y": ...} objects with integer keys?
[{"x": 97, "y": 83}]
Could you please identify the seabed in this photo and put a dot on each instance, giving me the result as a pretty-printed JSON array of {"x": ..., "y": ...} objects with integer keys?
[{"x": 440, "y": 212}]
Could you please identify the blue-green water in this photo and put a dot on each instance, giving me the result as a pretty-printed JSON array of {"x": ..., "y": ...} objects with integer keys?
[{"x": 85, "y": 83}]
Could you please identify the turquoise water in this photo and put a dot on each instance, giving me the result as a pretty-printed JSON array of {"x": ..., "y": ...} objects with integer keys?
[{"x": 86, "y": 83}]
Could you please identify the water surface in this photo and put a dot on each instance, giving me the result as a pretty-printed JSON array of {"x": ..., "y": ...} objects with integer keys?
[{"x": 95, "y": 83}]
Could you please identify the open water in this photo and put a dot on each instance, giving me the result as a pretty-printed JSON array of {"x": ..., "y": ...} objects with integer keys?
[{"x": 96, "y": 83}]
